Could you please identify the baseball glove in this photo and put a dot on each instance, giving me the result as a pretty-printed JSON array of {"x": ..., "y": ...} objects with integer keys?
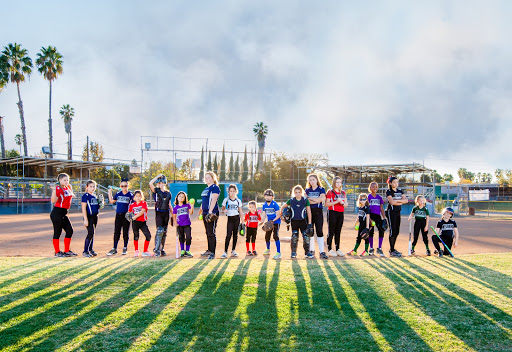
[
  {"x": 268, "y": 226},
  {"x": 211, "y": 217},
  {"x": 384, "y": 225},
  {"x": 241, "y": 229},
  {"x": 129, "y": 216},
  {"x": 309, "y": 230},
  {"x": 365, "y": 234}
]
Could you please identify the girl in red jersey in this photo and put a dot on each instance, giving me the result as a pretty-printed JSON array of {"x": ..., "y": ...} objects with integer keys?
[
  {"x": 139, "y": 208},
  {"x": 252, "y": 220},
  {"x": 336, "y": 200},
  {"x": 61, "y": 197}
]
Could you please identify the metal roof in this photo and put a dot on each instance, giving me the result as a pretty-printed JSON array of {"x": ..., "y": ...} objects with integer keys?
[
  {"x": 389, "y": 169},
  {"x": 60, "y": 163}
]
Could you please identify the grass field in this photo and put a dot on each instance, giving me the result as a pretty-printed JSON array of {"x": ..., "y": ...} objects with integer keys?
[{"x": 416, "y": 304}]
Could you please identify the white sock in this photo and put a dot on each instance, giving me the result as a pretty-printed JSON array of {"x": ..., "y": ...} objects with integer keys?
[
  {"x": 312, "y": 243},
  {"x": 321, "y": 244}
]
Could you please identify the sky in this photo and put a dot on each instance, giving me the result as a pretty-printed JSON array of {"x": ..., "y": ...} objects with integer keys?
[{"x": 365, "y": 82}]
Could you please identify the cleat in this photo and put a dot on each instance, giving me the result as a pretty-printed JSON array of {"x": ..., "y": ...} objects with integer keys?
[
  {"x": 234, "y": 254},
  {"x": 340, "y": 253},
  {"x": 352, "y": 253},
  {"x": 60, "y": 254},
  {"x": 277, "y": 256},
  {"x": 332, "y": 253},
  {"x": 112, "y": 252},
  {"x": 323, "y": 255},
  {"x": 206, "y": 254},
  {"x": 162, "y": 253},
  {"x": 371, "y": 252},
  {"x": 146, "y": 254},
  {"x": 70, "y": 254},
  {"x": 125, "y": 251},
  {"x": 267, "y": 252},
  {"x": 312, "y": 253},
  {"x": 413, "y": 252},
  {"x": 155, "y": 253},
  {"x": 86, "y": 255},
  {"x": 182, "y": 253},
  {"x": 395, "y": 253},
  {"x": 428, "y": 252},
  {"x": 294, "y": 255},
  {"x": 440, "y": 254},
  {"x": 254, "y": 253},
  {"x": 380, "y": 252},
  {"x": 136, "y": 253},
  {"x": 249, "y": 253},
  {"x": 309, "y": 255},
  {"x": 364, "y": 254},
  {"x": 188, "y": 254},
  {"x": 93, "y": 253},
  {"x": 211, "y": 256},
  {"x": 224, "y": 255}
]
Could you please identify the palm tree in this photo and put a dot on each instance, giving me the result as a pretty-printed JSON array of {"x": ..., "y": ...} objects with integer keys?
[
  {"x": 18, "y": 65},
  {"x": 19, "y": 140},
  {"x": 67, "y": 113},
  {"x": 4, "y": 79},
  {"x": 260, "y": 131},
  {"x": 49, "y": 64}
]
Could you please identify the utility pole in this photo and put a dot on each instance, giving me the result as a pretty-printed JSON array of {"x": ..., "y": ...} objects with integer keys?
[{"x": 87, "y": 148}]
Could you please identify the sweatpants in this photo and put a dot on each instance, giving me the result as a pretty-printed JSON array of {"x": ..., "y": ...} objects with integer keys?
[
  {"x": 394, "y": 227},
  {"x": 121, "y": 223},
  {"x": 419, "y": 226},
  {"x": 232, "y": 231},
  {"x": 210, "y": 228},
  {"x": 448, "y": 240},
  {"x": 335, "y": 221}
]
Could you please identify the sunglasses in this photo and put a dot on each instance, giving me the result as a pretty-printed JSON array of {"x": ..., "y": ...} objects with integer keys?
[
  {"x": 268, "y": 194},
  {"x": 362, "y": 200},
  {"x": 124, "y": 186}
]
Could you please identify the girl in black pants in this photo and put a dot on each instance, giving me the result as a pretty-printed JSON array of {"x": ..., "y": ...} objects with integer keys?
[
  {"x": 421, "y": 217},
  {"x": 335, "y": 200},
  {"x": 315, "y": 193},
  {"x": 209, "y": 205},
  {"x": 395, "y": 198},
  {"x": 232, "y": 206}
]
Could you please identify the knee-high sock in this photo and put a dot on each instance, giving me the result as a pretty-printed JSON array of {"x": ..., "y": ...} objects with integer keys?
[
  {"x": 278, "y": 246},
  {"x": 320, "y": 244},
  {"x": 380, "y": 241},
  {"x": 56, "y": 245},
  {"x": 67, "y": 244},
  {"x": 146, "y": 245},
  {"x": 312, "y": 243},
  {"x": 136, "y": 245},
  {"x": 371, "y": 242}
]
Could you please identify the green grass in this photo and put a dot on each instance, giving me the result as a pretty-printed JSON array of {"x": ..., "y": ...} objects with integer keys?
[{"x": 418, "y": 304}]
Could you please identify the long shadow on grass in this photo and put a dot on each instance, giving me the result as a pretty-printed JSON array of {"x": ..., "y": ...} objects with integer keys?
[
  {"x": 461, "y": 318},
  {"x": 72, "y": 306},
  {"x": 207, "y": 320},
  {"x": 22, "y": 277},
  {"x": 263, "y": 319},
  {"x": 393, "y": 328},
  {"x": 140, "y": 319},
  {"x": 12, "y": 270},
  {"x": 44, "y": 283}
]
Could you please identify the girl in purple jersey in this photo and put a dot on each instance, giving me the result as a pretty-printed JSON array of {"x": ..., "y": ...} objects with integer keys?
[
  {"x": 181, "y": 213},
  {"x": 377, "y": 216}
]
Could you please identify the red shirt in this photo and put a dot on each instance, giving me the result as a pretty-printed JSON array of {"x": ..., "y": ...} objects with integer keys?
[
  {"x": 137, "y": 208},
  {"x": 64, "y": 196},
  {"x": 252, "y": 219},
  {"x": 332, "y": 195}
]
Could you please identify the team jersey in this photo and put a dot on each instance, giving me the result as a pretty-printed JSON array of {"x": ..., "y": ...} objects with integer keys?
[
  {"x": 375, "y": 203},
  {"x": 137, "y": 208},
  {"x": 420, "y": 213},
  {"x": 182, "y": 214},
  {"x": 252, "y": 219},
  {"x": 315, "y": 193},
  {"x": 396, "y": 195},
  {"x": 161, "y": 199},
  {"x": 271, "y": 211},
  {"x": 299, "y": 211},
  {"x": 232, "y": 206},
  {"x": 123, "y": 201},
  {"x": 362, "y": 213},
  {"x": 332, "y": 195},
  {"x": 447, "y": 227},
  {"x": 64, "y": 196},
  {"x": 206, "y": 196},
  {"x": 93, "y": 207}
]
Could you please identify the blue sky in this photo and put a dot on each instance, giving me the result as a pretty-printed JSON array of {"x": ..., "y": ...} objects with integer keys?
[{"x": 365, "y": 82}]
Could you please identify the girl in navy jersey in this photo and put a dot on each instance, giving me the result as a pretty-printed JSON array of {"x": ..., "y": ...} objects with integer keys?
[
  {"x": 209, "y": 205},
  {"x": 232, "y": 206},
  {"x": 123, "y": 199},
  {"x": 61, "y": 197},
  {"x": 315, "y": 193},
  {"x": 90, "y": 210},
  {"x": 335, "y": 200},
  {"x": 181, "y": 214},
  {"x": 396, "y": 198},
  {"x": 272, "y": 213}
]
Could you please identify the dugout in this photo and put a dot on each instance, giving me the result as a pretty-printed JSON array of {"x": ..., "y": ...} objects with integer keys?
[{"x": 25, "y": 187}]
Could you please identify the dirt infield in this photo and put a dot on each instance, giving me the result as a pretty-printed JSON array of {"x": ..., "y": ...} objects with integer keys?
[{"x": 31, "y": 235}]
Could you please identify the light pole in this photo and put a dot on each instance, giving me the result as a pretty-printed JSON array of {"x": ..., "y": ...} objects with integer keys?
[{"x": 46, "y": 151}]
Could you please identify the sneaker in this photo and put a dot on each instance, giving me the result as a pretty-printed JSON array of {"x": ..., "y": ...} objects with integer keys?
[
  {"x": 428, "y": 252},
  {"x": 125, "y": 251},
  {"x": 155, "y": 253},
  {"x": 136, "y": 253},
  {"x": 352, "y": 253},
  {"x": 323, "y": 255},
  {"x": 395, "y": 253},
  {"x": 60, "y": 254},
  {"x": 224, "y": 255},
  {"x": 294, "y": 255},
  {"x": 413, "y": 252},
  {"x": 364, "y": 254},
  {"x": 277, "y": 256},
  {"x": 312, "y": 253},
  {"x": 309, "y": 255},
  {"x": 206, "y": 254},
  {"x": 332, "y": 253},
  {"x": 112, "y": 252},
  {"x": 86, "y": 255},
  {"x": 211, "y": 256},
  {"x": 234, "y": 254},
  {"x": 70, "y": 254},
  {"x": 249, "y": 253},
  {"x": 188, "y": 254},
  {"x": 436, "y": 252},
  {"x": 162, "y": 253},
  {"x": 440, "y": 254},
  {"x": 146, "y": 254},
  {"x": 254, "y": 253},
  {"x": 267, "y": 252},
  {"x": 372, "y": 251},
  {"x": 93, "y": 253},
  {"x": 380, "y": 252},
  {"x": 182, "y": 253},
  {"x": 340, "y": 253}
]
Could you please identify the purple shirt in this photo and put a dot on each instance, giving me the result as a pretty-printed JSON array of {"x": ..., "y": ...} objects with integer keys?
[
  {"x": 182, "y": 214},
  {"x": 375, "y": 203}
]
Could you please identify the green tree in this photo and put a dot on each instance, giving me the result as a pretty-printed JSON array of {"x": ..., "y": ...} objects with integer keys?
[
  {"x": 245, "y": 167},
  {"x": 448, "y": 177},
  {"x": 465, "y": 175},
  {"x": 260, "y": 131},
  {"x": 486, "y": 177},
  {"x": 96, "y": 152},
  {"x": 236, "y": 174},
  {"x": 209, "y": 165},
  {"x": 215, "y": 165},
  {"x": 231, "y": 174},
  {"x": 201, "y": 171},
  {"x": 19, "y": 140},
  {"x": 49, "y": 63},
  {"x": 187, "y": 171},
  {"x": 222, "y": 167},
  {"x": 19, "y": 66},
  {"x": 67, "y": 113}
]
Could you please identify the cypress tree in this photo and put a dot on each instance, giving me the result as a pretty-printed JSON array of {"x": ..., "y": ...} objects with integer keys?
[
  {"x": 209, "y": 165},
  {"x": 223, "y": 165},
  {"x": 201, "y": 172},
  {"x": 231, "y": 174},
  {"x": 237, "y": 169},
  {"x": 245, "y": 167}
]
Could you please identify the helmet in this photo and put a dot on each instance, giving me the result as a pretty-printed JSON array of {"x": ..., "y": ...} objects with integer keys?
[
  {"x": 268, "y": 226},
  {"x": 286, "y": 215},
  {"x": 449, "y": 210},
  {"x": 162, "y": 179}
]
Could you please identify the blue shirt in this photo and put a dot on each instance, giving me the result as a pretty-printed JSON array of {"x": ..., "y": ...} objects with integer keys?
[
  {"x": 206, "y": 196},
  {"x": 92, "y": 207},
  {"x": 310, "y": 193},
  {"x": 123, "y": 201},
  {"x": 271, "y": 210}
]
